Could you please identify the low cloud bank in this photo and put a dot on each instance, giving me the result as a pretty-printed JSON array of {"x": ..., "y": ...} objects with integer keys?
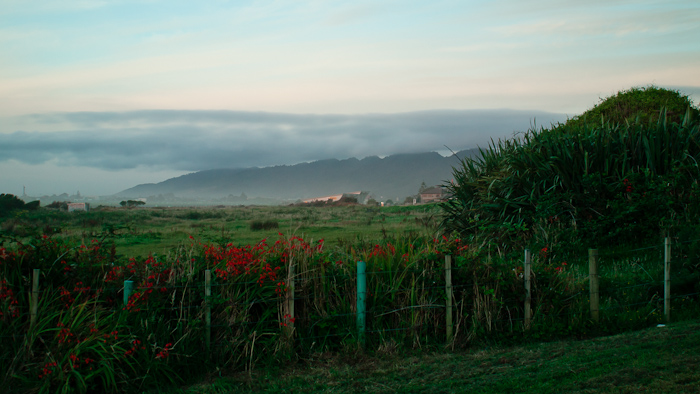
[{"x": 199, "y": 140}]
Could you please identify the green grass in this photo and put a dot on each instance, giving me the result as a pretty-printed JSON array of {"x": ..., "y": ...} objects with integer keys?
[
  {"x": 654, "y": 360},
  {"x": 142, "y": 231}
]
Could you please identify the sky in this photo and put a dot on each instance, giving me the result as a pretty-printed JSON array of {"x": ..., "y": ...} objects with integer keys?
[{"x": 99, "y": 96}]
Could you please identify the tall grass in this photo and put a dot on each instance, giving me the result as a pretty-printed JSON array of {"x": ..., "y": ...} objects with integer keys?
[{"x": 600, "y": 182}]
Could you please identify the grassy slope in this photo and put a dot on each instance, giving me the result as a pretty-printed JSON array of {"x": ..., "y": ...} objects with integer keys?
[{"x": 655, "y": 360}]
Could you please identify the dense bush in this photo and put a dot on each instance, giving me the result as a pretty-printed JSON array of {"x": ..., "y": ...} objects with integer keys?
[
  {"x": 596, "y": 183},
  {"x": 258, "y": 225},
  {"x": 639, "y": 105},
  {"x": 10, "y": 203}
]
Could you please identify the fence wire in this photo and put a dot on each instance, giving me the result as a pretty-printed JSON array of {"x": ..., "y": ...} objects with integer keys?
[{"x": 311, "y": 318}]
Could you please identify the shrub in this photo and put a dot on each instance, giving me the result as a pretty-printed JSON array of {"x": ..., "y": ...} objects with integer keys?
[
  {"x": 600, "y": 181},
  {"x": 258, "y": 225},
  {"x": 10, "y": 203}
]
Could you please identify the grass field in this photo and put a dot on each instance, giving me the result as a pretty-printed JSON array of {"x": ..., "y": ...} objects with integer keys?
[
  {"x": 141, "y": 231},
  {"x": 655, "y": 360}
]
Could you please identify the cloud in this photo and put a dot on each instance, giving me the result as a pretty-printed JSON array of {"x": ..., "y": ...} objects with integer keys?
[{"x": 198, "y": 140}]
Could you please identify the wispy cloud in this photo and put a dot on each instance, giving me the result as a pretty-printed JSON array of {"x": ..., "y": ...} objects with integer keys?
[{"x": 198, "y": 140}]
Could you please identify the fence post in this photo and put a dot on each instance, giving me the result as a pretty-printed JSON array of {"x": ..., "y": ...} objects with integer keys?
[
  {"x": 594, "y": 285},
  {"x": 667, "y": 279},
  {"x": 207, "y": 309},
  {"x": 35, "y": 297},
  {"x": 528, "y": 287},
  {"x": 128, "y": 289},
  {"x": 290, "y": 301},
  {"x": 448, "y": 294},
  {"x": 361, "y": 300}
]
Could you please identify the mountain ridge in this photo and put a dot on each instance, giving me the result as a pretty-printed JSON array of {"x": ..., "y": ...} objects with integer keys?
[{"x": 392, "y": 177}]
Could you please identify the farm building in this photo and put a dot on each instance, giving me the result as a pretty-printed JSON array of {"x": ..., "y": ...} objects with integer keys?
[
  {"x": 433, "y": 194},
  {"x": 361, "y": 197},
  {"x": 78, "y": 206}
]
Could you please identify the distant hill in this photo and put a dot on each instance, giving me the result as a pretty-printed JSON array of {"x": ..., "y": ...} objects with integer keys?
[{"x": 392, "y": 177}]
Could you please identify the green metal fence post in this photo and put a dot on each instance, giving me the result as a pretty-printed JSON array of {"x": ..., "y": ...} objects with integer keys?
[
  {"x": 128, "y": 289},
  {"x": 361, "y": 300}
]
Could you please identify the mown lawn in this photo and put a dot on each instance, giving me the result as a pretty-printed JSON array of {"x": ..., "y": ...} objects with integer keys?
[{"x": 655, "y": 360}]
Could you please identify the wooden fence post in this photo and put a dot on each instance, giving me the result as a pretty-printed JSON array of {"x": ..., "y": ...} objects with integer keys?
[
  {"x": 128, "y": 289},
  {"x": 448, "y": 301},
  {"x": 361, "y": 300},
  {"x": 594, "y": 284},
  {"x": 290, "y": 301},
  {"x": 528, "y": 288},
  {"x": 207, "y": 309},
  {"x": 35, "y": 297},
  {"x": 667, "y": 279}
]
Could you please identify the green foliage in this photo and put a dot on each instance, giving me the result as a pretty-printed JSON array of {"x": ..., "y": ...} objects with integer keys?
[
  {"x": 160, "y": 332},
  {"x": 610, "y": 182},
  {"x": 639, "y": 105},
  {"x": 10, "y": 203},
  {"x": 257, "y": 225},
  {"x": 131, "y": 203}
]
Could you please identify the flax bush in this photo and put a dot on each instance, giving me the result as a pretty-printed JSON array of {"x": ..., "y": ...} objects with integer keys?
[{"x": 589, "y": 180}]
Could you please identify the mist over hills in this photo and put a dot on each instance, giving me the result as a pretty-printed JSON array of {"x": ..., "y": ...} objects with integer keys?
[{"x": 392, "y": 177}]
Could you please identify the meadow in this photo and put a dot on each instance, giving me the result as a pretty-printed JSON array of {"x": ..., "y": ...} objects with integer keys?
[{"x": 138, "y": 232}]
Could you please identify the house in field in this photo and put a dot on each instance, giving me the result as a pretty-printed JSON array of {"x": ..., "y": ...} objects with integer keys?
[
  {"x": 433, "y": 194},
  {"x": 78, "y": 206},
  {"x": 361, "y": 197}
]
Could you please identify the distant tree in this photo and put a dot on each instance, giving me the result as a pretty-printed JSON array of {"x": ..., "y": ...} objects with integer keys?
[
  {"x": 372, "y": 202},
  {"x": 58, "y": 205},
  {"x": 348, "y": 200},
  {"x": 9, "y": 203},
  {"x": 32, "y": 205},
  {"x": 422, "y": 187},
  {"x": 131, "y": 203},
  {"x": 389, "y": 202}
]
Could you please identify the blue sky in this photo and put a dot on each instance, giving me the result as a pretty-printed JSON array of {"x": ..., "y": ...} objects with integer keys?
[{"x": 309, "y": 58}]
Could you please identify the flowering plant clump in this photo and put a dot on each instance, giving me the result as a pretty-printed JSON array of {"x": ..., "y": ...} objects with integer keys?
[
  {"x": 47, "y": 369},
  {"x": 151, "y": 275},
  {"x": 136, "y": 345},
  {"x": 287, "y": 320},
  {"x": 9, "y": 305},
  {"x": 165, "y": 352}
]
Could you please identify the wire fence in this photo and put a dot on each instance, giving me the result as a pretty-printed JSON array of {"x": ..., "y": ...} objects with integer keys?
[{"x": 404, "y": 304}]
